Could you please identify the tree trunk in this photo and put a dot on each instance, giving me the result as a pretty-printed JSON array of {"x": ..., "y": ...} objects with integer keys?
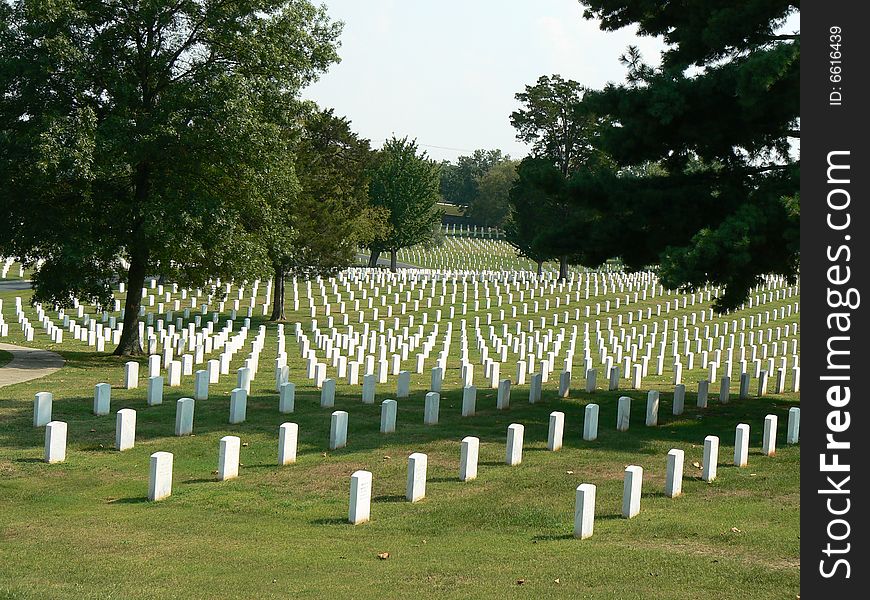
[
  {"x": 278, "y": 295},
  {"x": 373, "y": 258},
  {"x": 563, "y": 268},
  {"x": 393, "y": 261},
  {"x": 540, "y": 268},
  {"x": 129, "y": 344}
]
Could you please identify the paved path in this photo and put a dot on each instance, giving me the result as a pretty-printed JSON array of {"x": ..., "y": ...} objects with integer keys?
[
  {"x": 14, "y": 285},
  {"x": 27, "y": 364}
]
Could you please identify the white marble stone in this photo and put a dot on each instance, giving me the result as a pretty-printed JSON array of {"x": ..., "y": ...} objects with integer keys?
[
  {"x": 768, "y": 444},
  {"x": 415, "y": 489},
  {"x": 469, "y": 401},
  {"x": 55, "y": 441},
  {"x": 338, "y": 430},
  {"x": 160, "y": 479},
  {"x": 584, "y": 511},
  {"x": 431, "y": 408},
  {"x": 228, "y": 457},
  {"x": 437, "y": 378},
  {"x": 389, "y": 408},
  {"x": 503, "y": 398},
  {"x": 287, "y": 398},
  {"x": 468, "y": 453},
  {"x": 744, "y": 386},
  {"x": 674, "y": 473},
  {"x": 631, "y": 489},
  {"x": 184, "y": 416},
  {"x": 288, "y": 436},
  {"x": 360, "y": 497},
  {"x": 173, "y": 372},
  {"x": 514, "y": 449},
  {"x": 42, "y": 402},
  {"x": 725, "y": 390},
  {"x": 711, "y": 458},
  {"x": 102, "y": 398},
  {"x": 131, "y": 374},
  {"x": 238, "y": 405},
  {"x": 623, "y": 413},
  {"x": 243, "y": 379},
  {"x": 564, "y": 384},
  {"x": 155, "y": 390},
  {"x": 535, "y": 387},
  {"x": 703, "y": 393},
  {"x": 403, "y": 384},
  {"x": 591, "y": 377},
  {"x": 153, "y": 365},
  {"x": 556, "y": 431},
  {"x": 200, "y": 385},
  {"x": 679, "y": 402},
  {"x": 125, "y": 429},
  {"x": 327, "y": 393},
  {"x": 652, "y": 408},
  {"x": 590, "y": 423},
  {"x": 741, "y": 445},
  {"x": 368, "y": 391},
  {"x": 794, "y": 425}
]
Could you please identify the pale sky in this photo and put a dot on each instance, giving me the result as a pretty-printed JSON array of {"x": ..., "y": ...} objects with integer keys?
[{"x": 445, "y": 71}]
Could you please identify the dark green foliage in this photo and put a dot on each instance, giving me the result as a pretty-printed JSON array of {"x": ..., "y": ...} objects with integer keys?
[
  {"x": 149, "y": 131},
  {"x": 407, "y": 185}
]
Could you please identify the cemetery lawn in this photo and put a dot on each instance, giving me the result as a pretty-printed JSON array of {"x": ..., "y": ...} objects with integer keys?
[
  {"x": 5, "y": 358},
  {"x": 83, "y": 528}
]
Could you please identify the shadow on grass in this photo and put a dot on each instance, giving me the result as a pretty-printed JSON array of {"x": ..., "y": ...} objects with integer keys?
[
  {"x": 201, "y": 480},
  {"x": 133, "y": 500},
  {"x": 29, "y": 460},
  {"x": 389, "y": 498},
  {"x": 330, "y": 521},
  {"x": 553, "y": 538}
]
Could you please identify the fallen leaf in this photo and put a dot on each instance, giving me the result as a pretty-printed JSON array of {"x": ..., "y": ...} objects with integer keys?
[
  {"x": 244, "y": 444},
  {"x": 93, "y": 430},
  {"x": 383, "y": 555},
  {"x": 556, "y": 581},
  {"x": 520, "y": 581},
  {"x": 569, "y": 472},
  {"x": 696, "y": 464},
  {"x": 387, "y": 457},
  {"x": 735, "y": 530}
]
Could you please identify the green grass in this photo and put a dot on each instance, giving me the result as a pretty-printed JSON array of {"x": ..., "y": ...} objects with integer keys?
[
  {"x": 84, "y": 529},
  {"x": 5, "y": 358}
]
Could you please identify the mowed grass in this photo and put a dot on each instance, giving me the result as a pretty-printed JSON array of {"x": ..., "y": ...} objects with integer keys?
[{"x": 84, "y": 528}]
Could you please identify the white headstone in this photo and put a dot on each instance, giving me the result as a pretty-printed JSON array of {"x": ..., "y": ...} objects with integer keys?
[
  {"x": 160, "y": 479},
  {"x": 794, "y": 425},
  {"x": 469, "y": 400},
  {"x": 327, "y": 393},
  {"x": 131, "y": 375},
  {"x": 679, "y": 399},
  {"x": 768, "y": 444},
  {"x": 590, "y": 423},
  {"x": 503, "y": 399},
  {"x": 287, "y": 398},
  {"x": 652, "y": 408},
  {"x": 591, "y": 376},
  {"x": 42, "y": 408},
  {"x": 431, "y": 407},
  {"x": 416, "y": 486},
  {"x": 184, "y": 416},
  {"x": 360, "y": 497},
  {"x": 623, "y": 413},
  {"x": 238, "y": 405},
  {"x": 338, "y": 430},
  {"x": 125, "y": 429},
  {"x": 388, "y": 416},
  {"x": 631, "y": 488},
  {"x": 468, "y": 453},
  {"x": 102, "y": 398},
  {"x": 556, "y": 431},
  {"x": 403, "y": 385},
  {"x": 368, "y": 391},
  {"x": 228, "y": 457},
  {"x": 514, "y": 449},
  {"x": 584, "y": 511},
  {"x": 703, "y": 393},
  {"x": 288, "y": 435},
  {"x": 711, "y": 458},
  {"x": 674, "y": 473},
  {"x": 55, "y": 441},
  {"x": 741, "y": 445},
  {"x": 155, "y": 390}
]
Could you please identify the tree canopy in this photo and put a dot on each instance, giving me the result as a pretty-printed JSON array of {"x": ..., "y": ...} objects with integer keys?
[
  {"x": 148, "y": 131},
  {"x": 718, "y": 117},
  {"x": 407, "y": 184}
]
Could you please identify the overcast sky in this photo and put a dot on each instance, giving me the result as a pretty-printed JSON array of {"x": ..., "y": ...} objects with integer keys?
[{"x": 445, "y": 71}]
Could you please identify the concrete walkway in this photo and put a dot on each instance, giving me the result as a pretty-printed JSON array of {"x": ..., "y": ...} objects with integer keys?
[{"x": 27, "y": 364}]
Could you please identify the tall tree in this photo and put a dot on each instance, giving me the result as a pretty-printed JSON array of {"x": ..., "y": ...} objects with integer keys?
[
  {"x": 321, "y": 224},
  {"x": 720, "y": 116},
  {"x": 146, "y": 131},
  {"x": 407, "y": 184},
  {"x": 490, "y": 207},
  {"x": 561, "y": 129},
  {"x": 459, "y": 181}
]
